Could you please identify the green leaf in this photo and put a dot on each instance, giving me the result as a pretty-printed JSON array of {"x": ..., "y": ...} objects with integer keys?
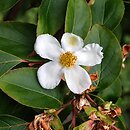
[
  {"x": 107, "y": 12},
  {"x": 88, "y": 125},
  {"x": 8, "y": 122},
  {"x": 78, "y": 18},
  {"x": 89, "y": 110},
  {"x": 118, "y": 32},
  {"x": 124, "y": 76},
  {"x": 56, "y": 123},
  {"x": 17, "y": 38},
  {"x": 113, "y": 92},
  {"x": 27, "y": 91},
  {"x": 11, "y": 107},
  {"x": 5, "y": 5},
  {"x": 104, "y": 118},
  {"x": 121, "y": 123},
  {"x": 7, "y": 62},
  {"x": 51, "y": 16},
  {"x": 111, "y": 64},
  {"x": 29, "y": 15}
]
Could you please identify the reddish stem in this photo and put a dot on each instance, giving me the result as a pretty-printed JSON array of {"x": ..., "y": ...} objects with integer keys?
[
  {"x": 74, "y": 111},
  {"x": 63, "y": 107},
  {"x": 12, "y": 13},
  {"x": 91, "y": 100},
  {"x": 114, "y": 127},
  {"x": 32, "y": 63}
]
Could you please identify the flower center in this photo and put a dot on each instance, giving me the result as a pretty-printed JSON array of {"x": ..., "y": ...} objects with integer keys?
[{"x": 68, "y": 59}]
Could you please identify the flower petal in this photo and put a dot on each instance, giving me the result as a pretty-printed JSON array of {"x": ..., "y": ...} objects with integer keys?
[
  {"x": 47, "y": 46},
  {"x": 49, "y": 75},
  {"x": 77, "y": 79},
  {"x": 90, "y": 55},
  {"x": 71, "y": 42}
]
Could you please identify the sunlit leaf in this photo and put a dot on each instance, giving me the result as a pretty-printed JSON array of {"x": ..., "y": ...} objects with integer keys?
[
  {"x": 27, "y": 91},
  {"x": 88, "y": 125},
  {"x": 111, "y": 64},
  {"x": 78, "y": 17},
  {"x": 104, "y": 118},
  {"x": 89, "y": 110}
]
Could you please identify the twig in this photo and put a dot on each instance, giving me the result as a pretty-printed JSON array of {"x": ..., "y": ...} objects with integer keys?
[
  {"x": 97, "y": 97},
  {"x": 74, "y": 111},
  {"x": 91, "y": 100},
  {"x": 63, "y": 107},
  {"x": 32, "y": 63},
  {"x": 11, "y": 15},
  {"x": 114, "y": 127}
]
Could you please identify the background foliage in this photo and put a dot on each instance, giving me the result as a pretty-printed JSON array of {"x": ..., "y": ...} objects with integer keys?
[{"x": 106, "y": 22}]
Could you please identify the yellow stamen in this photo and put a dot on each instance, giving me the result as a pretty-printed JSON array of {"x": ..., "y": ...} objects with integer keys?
[{"x": 68, "y": 59}]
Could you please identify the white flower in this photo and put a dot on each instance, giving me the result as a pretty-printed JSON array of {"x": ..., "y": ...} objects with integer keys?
[{"x": 66, "y": 60}]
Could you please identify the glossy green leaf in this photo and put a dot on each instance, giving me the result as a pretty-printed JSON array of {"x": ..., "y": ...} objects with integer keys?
[
  {"x": 8, "y": 122},
  {"x": 5, "y": 5},
  {"x": 111, "y": 64},
  {"x": 113, "y": 92},
  {"x": 121, "y": 123},
  {"x": 51, "y": 16},
  {"x": 22, "y": 85},
  {"x": 118, "y": 32},
  {"x": 17, "y": 38},
  {"x": 78, "y": 18},
  {"x": 7, "y": 62},
  {"x": 124, "y": 76},
  {"x": 108, "y": 12},
  {"x": 11, "y": 107}
]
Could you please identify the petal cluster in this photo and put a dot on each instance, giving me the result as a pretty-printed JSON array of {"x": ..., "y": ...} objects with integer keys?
[{"x": 77, "y": 79}]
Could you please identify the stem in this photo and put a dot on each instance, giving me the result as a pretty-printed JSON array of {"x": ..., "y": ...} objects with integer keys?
[
  {"x": 97, "y": 97},
  {"x": 91, "y": 100},
  {"x": 24, "y": 124},
  {"x": 74, "y": 111},
  {"x": 12, "y": 14},
  {"x": 114, "y": 127},
  {"x": 35, "y": 63},
  {"x": 63, "y": 107},
  {"x": 25, "y": 61},
  {"x": 32, "y": 63}
]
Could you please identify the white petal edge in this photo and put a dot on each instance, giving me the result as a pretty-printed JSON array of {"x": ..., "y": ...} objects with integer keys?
[
  {"x": 49, "y": 75},
  {"x": 48, "y": 47},
  {"x": 77, "y": 79},
  {"x": 90, "y": 55},
  {"x": 71, "y": 42}
]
